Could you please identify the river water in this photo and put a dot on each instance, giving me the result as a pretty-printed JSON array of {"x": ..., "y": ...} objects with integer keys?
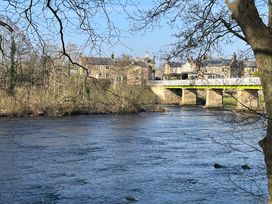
[{"x": 152, "y": 157}]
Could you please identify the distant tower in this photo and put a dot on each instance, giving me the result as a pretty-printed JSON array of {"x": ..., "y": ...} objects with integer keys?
[
  {"x": 112, "y": 55},
  {"x": 146, "y": 55}
]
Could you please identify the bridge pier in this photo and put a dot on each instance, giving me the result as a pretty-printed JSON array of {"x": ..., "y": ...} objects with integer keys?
[
  {"x": 188, "y": 97},
  {"x": 247, "y": 98},
  {"x": 167, "y": 96},
  {"x": 214, "y": 98}
]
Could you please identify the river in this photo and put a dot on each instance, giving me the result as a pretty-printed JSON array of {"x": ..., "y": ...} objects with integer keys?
[{"x": 158, "y": 158}]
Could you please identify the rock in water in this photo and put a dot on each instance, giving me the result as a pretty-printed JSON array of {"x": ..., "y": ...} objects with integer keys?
[
  {"x": 218, "y": 166},
  {"x": 245, "y": 166},
  {"x": 131, "y": 199}
]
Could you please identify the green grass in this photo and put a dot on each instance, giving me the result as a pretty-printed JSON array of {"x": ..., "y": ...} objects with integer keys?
[
  {"x": 231, "y": 87},
  {"x": 261, "y": 99},
  {"x": 229, "y": 102}
]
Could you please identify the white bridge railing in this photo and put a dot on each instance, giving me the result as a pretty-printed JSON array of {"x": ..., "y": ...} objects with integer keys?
[{"x": 207, "y": 82}]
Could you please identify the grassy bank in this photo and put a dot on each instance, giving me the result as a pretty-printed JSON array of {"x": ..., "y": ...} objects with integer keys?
[
  {"x": 231, "y": 102},
  {"x": 77, "y": 96}
]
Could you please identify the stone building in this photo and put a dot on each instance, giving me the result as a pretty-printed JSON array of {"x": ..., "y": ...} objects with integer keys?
[
  {"x": 228, "y": 68},
  {"x": 132, "y": 72},
  {"x": 178, "y": 70},
  {"x": 158, "y": 74},
  {"x": 250, "y": 68},
  {"x": 217, "y": 68},
  {"x": 210, "y": 69}
]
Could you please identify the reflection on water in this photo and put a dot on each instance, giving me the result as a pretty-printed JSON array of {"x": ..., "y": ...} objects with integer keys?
[{"x": 153, "y": 157}]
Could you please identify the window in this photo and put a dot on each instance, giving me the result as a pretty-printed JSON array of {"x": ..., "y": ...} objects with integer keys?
[
  {"x": 213, "y": 70},
  {"x": 119, "y": 79}
]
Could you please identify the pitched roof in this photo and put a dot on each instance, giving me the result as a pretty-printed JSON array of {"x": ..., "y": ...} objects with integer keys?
[
  {"x": 122, "y": 63},
  {"x": 217, "y": 62},
  {"x": 175, "y": 64},
  {"x": 110, "y": 61},
  {"x": 97, "y": 60},
  {"x": 141, "y": 64},
  {"x": 250, "y": 63}
]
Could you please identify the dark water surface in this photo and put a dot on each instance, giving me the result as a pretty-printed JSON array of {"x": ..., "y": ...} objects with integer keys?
[{"x": 153, "y": 157}]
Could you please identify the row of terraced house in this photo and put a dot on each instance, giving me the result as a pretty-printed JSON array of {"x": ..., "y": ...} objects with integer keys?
[
  {"x": 209, "y": 69},
  {"x": 137, "y": 71}
]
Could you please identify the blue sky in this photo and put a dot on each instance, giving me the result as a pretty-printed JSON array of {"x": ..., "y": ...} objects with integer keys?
[
  {"x": 155, "y": 41},
  {"x": 136, "y": 44}
]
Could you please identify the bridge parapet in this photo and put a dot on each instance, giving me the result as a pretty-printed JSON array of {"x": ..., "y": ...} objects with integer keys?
[{"x": 253, "y": 81}]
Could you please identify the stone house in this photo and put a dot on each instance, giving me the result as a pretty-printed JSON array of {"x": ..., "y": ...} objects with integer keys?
[
  {"x": 172, "y": 70},
  {"x": 250, "y": 68},
  {"x": 217, "y": 68},
  {"x": 158, "y": 73},
  {"x": 178, "y": 70},
  {"x": 132, "y": 72},
  {"x": 228, "y": 68},
  {"x": 210, "y": 69}
]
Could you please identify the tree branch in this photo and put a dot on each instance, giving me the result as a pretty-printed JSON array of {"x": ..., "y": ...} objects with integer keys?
[
  {"x": 7, "y": 26},
  {"x": 55, "y": 13},
  {"x": 228, "y": 26}
]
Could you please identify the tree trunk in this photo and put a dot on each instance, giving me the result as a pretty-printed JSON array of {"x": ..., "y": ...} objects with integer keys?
[
  {"x": 12, "y": 69},
  {"x": 258, "y": 36},
  {"x": 264, "y": 62},
  {"x": 266, "y": 144}
]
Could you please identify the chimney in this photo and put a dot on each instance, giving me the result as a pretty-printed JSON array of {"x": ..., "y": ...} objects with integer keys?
[{"x": 234, "y": 57}]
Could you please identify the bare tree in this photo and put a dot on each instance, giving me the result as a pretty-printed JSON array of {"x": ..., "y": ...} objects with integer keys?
[
  {"x": 44, "y": 21},
  {"x": 203, "y": 25},
  {"x": 49, "y": 25}
]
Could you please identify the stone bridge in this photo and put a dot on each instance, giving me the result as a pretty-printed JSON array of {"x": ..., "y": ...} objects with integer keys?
[{"x": 185, "y": 92}]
